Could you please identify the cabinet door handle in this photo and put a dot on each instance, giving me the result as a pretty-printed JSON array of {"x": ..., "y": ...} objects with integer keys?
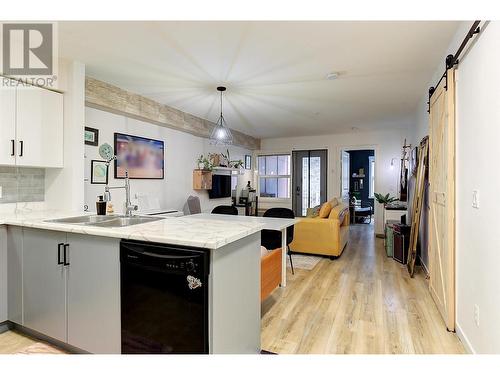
[
  {"x": 21, "y": 143},
  {"x": 13, "y": 151},
  {"x": 59, "y": 245},
  {"x": 66, "y": 246}
]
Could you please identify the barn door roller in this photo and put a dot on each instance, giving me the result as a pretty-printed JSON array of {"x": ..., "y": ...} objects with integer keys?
[{"x": 452, "y": 60}]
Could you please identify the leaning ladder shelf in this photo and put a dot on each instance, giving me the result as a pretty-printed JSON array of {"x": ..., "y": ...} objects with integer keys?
[{"x": 417, "y": 204}]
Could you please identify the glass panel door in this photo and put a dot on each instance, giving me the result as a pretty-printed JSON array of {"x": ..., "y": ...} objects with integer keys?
[{"x": 309, "y": 179}]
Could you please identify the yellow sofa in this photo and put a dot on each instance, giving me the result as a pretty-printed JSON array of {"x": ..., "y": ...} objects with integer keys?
[{"x": 324, "y": 236}]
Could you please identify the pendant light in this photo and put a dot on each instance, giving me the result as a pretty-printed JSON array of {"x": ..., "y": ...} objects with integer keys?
[{"x": 221, "y": 135}]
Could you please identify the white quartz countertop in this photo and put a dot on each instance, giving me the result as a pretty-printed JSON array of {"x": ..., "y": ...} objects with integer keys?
[
  {"x": 271, "y": 223},
  {"x": 209, "y": 231}
]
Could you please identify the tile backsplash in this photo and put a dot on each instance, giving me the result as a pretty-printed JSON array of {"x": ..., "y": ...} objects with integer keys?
[{"x": 22, "y": 184}]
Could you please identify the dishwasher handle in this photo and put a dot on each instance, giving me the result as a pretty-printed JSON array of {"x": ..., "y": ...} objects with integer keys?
[
  {"x": 165, "y": 258},
  {"x": 142, "y": 251}
]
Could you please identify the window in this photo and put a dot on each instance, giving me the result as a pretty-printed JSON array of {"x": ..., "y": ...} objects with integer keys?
[
  {"x": 274, "y": 176},
  {"x": 371, "y": 175},
  {"x": 234, "y": 182}
]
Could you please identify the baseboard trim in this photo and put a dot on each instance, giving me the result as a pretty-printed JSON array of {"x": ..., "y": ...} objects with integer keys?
[
  {"x": 5, "y": 326},
  {"x": 463, "y": 338},
  {"x": 423, "y": 266},
  {"x": 40, "y": 336}
]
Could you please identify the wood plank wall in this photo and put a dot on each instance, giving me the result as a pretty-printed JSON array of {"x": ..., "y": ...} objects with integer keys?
[{"x": 107, "y": 97}]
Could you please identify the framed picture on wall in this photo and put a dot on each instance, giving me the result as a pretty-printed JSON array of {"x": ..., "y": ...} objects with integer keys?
[
  {"x": 91, "y": 136},
  {"x": 248, "y": 161},
  {"x": 143, "y": 157},
  {"x": 98, "y": 172}
]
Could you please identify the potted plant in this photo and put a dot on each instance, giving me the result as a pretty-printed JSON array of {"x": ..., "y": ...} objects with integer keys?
[
  {"x": 204, "y": 163},
  {"x": 224, "y": 159},
  {"x": 200, "y": 162},
  {"x": 384, "y": 199},
  {"x": 236, "y": 164}
]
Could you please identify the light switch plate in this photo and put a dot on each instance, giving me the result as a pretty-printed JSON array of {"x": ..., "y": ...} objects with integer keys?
[{"x": 475, "y": 198}]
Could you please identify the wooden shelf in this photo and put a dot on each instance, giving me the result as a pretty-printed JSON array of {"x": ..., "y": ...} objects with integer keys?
[{"x": 202, "y": 179}]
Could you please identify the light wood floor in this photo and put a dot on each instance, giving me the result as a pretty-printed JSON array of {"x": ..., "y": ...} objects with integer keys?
[
  {"x": 13, "y": 342},
  {"x": 362, "y": 302}
]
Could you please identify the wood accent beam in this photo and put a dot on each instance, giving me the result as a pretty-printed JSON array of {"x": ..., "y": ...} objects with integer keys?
[{"x": 110, "y": 98}]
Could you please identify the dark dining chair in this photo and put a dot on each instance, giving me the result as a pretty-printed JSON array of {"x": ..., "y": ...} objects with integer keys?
[
  {"x": 363, "y": 210},
  {"x": 271, "y": 239},
  {"x": 225, "y": 210}
]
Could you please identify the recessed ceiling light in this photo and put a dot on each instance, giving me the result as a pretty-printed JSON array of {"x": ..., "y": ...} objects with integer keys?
[{"x": 332, "y": 75}]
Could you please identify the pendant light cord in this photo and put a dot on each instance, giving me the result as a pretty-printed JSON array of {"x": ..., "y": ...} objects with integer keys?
[{"x": 221, "y": 104}]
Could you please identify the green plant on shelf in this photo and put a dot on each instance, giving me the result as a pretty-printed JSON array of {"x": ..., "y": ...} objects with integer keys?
[
  {"x": 237, "y": 163},
  {"x": 384, "y": 199},
  {"x": 205, "y": 163}
]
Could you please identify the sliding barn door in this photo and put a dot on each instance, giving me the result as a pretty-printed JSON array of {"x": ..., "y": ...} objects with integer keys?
[{"x": 442, "y": 198}]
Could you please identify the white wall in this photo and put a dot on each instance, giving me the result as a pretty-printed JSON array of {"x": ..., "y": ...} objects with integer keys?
[
  {"x": 181, "y": 152},
  {"x": 478, "y": 237},
  {"x": 387, "y": 145},
  {"x": 64, "y": 187}
]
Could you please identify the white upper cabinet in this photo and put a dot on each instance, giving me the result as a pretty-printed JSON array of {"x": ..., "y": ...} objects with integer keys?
[
  {"x": 39, "y": 128},
  {"x": 31, "y": 127},
  {"x": 7, "y": 125}
]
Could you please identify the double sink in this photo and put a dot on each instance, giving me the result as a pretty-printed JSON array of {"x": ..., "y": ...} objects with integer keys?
[{"x": 106, "y": 221}]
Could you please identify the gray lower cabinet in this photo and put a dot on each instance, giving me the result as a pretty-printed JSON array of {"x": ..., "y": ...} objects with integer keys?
[
  {"x": 3, "y": 275},
  {"x": 15, "y": 274},
  {"x": 94, "y": 294},
  {"x": 77, "y": 302},
  {"x": 44, "y": 282}
]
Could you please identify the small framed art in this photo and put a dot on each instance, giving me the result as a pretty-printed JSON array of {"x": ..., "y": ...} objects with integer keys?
[
  {"x": 91, "y": 136},
  {"x": 98, "y": 172}
]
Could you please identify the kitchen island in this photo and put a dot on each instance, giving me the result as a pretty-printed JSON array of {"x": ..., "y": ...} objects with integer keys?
[{"x": 63, "y": 280}]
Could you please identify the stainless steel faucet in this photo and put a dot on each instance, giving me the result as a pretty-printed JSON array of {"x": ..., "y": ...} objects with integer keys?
[{"x": 129, "y": 207}]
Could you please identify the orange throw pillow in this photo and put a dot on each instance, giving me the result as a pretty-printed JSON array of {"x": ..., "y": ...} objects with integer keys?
[
  {"x": 334, "y": 202},
  {"x": 325, "y": 210}
]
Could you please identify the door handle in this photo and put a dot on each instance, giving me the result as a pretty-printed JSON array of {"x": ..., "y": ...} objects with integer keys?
[
  {"x": 13, "y": 151},
  {"x": 65, "y": 261},
  {"x": 21, "y": 143},
  {"x": 59, "y": 261}
]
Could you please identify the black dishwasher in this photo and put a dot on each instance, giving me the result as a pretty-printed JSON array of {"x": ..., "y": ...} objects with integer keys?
[{"x": 164, "y": 298}]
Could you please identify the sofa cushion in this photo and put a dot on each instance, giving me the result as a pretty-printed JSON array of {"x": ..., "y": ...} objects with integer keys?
[
  {"x": 313, "y": 212},
  {"x": 325, "y": 210},
  {"x": 339, "y": 211},
  {"x": 334, "y": 202}
]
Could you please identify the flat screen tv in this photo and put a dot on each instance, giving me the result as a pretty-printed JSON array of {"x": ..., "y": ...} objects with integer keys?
[
  {"x": 221, "y": 187},
  {"x": 143, "y": 157}
]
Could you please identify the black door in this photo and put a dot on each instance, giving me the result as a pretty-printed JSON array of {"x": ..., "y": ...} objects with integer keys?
[{"x": 309, "y": 179}]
